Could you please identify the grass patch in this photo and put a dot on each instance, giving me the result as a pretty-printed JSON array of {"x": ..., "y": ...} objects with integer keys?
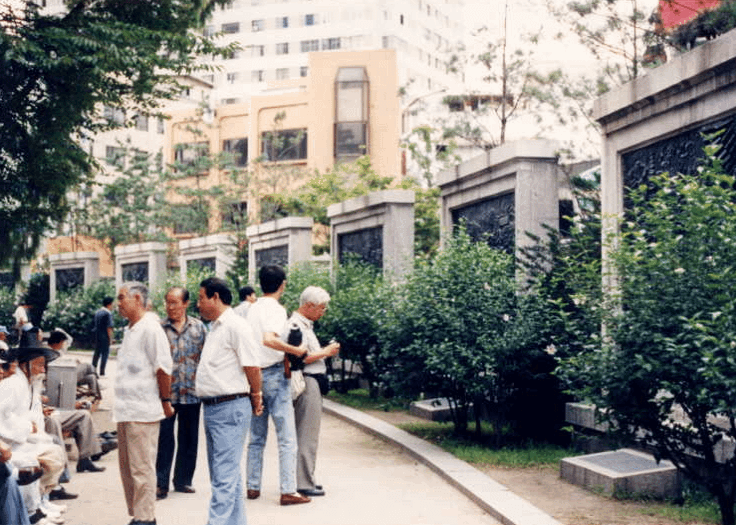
[
  {"x": 360, "y": 399},
  {"x": 528, "y": 455},
  {"x": 697, "y": 506}
]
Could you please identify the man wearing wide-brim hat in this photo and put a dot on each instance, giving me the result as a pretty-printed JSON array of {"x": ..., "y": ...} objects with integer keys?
[{"x": 21, "y": 419}]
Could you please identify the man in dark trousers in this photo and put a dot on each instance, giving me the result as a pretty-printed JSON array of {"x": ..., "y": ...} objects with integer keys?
[{"x": 103, "y": 334}]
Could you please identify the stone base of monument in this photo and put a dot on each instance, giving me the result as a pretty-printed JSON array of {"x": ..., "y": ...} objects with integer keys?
[
  {"x": 623, "y": 472},
  {"x": 435, "y": 409}
]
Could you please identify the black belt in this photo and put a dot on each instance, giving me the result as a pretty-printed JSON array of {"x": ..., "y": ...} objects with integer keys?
[{"x": 221, "y": 399}]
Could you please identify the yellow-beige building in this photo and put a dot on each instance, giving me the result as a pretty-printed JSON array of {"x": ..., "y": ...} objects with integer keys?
[{"x": 348, "y": 106}]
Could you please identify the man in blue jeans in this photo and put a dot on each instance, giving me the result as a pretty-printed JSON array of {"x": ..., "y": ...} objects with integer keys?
[
  {"x": 267, "y": 318},
  {"x": 228, "y": 377}
]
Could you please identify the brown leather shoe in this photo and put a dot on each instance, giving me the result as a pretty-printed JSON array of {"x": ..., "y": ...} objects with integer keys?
[
  {"x": 294, "y": 499},
  {"x": 253, "y": 494}
]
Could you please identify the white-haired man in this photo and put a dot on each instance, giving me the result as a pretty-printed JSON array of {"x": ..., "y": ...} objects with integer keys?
[{"x": 308, "y": 406}]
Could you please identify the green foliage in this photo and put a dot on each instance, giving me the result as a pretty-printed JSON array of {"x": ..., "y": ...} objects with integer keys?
[
  {"x": 707, "y": 25},
  {"x": 195, "y": 275},
  {"x": 301, "y": 275},
  {"x": 74, "y": 312},
  {"x": 59, "y": 70},
  {"x": 667, "y": 371},
  {"x": 459, "y": 330},
  {"x": 361, "y": 399},
  {"x": 37, "y": 296},
  {"x": 7, "y": 307},
  {"x": 355, "y": 319}
]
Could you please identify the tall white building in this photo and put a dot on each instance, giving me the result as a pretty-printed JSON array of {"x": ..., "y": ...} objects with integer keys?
[{"x": 277, "y": 35}]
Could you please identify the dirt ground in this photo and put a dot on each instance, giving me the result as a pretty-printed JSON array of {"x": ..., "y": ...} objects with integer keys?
[{"x": 570, "y": 504}]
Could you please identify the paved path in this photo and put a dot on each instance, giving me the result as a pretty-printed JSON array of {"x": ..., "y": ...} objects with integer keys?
[{"x": 368, "y": 481}]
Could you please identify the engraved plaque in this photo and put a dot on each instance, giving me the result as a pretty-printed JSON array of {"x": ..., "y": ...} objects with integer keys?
[
  {"x": 206, "y": 263},
  {"x": 135, "y": 272},
  {"x": 276, "y": 255},
  {"x": 69, "y": 278},
  {"x": 366, "y": 244},
  {"x": 490, "y": 220},
  {"x": 679, "y": 154}
]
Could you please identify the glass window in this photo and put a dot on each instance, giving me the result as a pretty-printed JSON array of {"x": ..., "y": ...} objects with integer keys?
[
  {"x": 208, "y": 31},
  {"x": 331, "y": 43},
  {"x": 160, "y": 126},
  {"x": 257, "y": 75},
  {"x": 115, "y": 156},
  {"x": 309, "y": 45},
  {"x": 282, "y": 48},
  {"x": 282, "y": 22},
  {"x": 303, "y": 71},
  {"x": 235, "y": 214},
  {"x": 187, "y": 154},
  {"x": 290, "y": 144},
  {"x": 231, "y": 28},
  {"x": 258, "y": 25},
  {"x": 282, "y": 73},
  {"x": 237, "y": 149},
  {"x": 257, "y": 51},
  {"x": 141, "y": 122},
  {"x": 232, "y": 78},
  {"x": 351, "y": 112},
  {"x": 309, "y": 20},
  {"x": 114, "y": 115}
]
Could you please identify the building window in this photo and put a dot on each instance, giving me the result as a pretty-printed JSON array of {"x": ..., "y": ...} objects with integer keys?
[
  {"x": 188, "y": 218},
  {"x": 303, "y": 71},
  {"x": 384, "y": 42},
  {"x": 115, "y": 156},
  {"x": 257, "y": 25},
  {"x": 209, "y": 31},
  {"x": 401, "y": 19},
  {"x": 309, "y": 20},
  {"x": 282, "y": 48},
  {"x": 232, "y": 78},
  {"x": 257, "y": 51},
  {"x": 289, "y": 144},
  {"x": 114, "y": 116},
  {"x": 282, "y": 22},
  {"x": 238, "y": 149},
  {"x": 257, "y": 75},
  {"x": 231, "y": 28},
  {"x": 228, "y": 101},
  {"x": 282, "y": 73},
  {"x": 187, "y": 154},
  {"x": 231, "y": 55},
  {"x": 351, "y": 112},
  {"x": 160, "y": 126},
  {"x": 235, "y": 214},
  {"x": 309, "y": 45},
  {"x": 141, "y": 122},
  {"x": 330, "y": 43}
]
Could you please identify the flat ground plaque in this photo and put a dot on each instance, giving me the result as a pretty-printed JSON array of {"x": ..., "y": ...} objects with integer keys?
[{"x": 623, "y": 471}]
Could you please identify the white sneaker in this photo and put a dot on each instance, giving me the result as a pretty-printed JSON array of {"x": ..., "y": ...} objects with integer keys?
[
  {"x": 54, "y": 508},
  {"x": 57, "y": 519}
]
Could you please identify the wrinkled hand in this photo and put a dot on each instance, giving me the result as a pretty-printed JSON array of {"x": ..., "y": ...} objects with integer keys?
[
  {"x": 256, "y": 402},
  {"x": 168, "y": 409}
]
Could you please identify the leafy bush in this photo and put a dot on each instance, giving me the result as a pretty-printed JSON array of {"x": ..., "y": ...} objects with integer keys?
[
  {"x": 459, "y": 330},
  {"x": 195, "y": 275},
  {"x": 74, "y": 312},
  {"x": 301, "y": 275},
  {"x": 7, "y": 307},
  {"x": 667, "y": 373},
  {"x": 37, "y": 296}
]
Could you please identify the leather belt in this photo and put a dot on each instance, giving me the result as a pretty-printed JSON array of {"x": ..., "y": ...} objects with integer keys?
[{"x": 221, "y": 399}]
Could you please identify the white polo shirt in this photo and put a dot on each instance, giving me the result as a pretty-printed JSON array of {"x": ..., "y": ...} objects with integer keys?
[
  {"x": 267, "y": 315},
  {"x": 145, "y": 350},
  {"x": 229, "y": 347}
]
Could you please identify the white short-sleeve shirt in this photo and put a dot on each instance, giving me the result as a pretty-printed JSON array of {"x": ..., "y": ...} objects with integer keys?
[
  {"x": 267, "y": 315},
  {"x": 229, "y": 347},
  {"x": 144, "y": 351}
]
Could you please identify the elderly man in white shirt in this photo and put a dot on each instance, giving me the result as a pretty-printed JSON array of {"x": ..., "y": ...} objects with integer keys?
[
  {"x": 228, "y": 376},
  {"x": 142, "y": 390}
]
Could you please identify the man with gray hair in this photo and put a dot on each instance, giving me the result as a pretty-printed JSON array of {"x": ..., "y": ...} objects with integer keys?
[
  {"x": 308, "y": 406},
  {"x": 142, "y": 400}
]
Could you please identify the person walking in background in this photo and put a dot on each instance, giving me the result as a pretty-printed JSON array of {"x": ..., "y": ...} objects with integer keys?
[
  {"x": 186, "y": 338},
  {"x": 4, "y": 338},
  {"x": 247, "y": 297},
  {"x": 308, "y": 406},
  {"x": 228, "y": 376},
  {"x": 22, "y": 321},
  {"x": 268, "y": 320},
  {"x": 142, "y": 400},
  {"x": 103, "y": 334}
]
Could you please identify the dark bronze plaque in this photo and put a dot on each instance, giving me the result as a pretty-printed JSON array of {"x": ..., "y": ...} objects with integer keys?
[
  {"x": 69, "y": 278},
  {"x": 276, "y": 255},
  {"x": 490, "y": 220},
  {"x": 679, "y": 154},
  {"x": 366, "y": 244},
  {"x": 135, "y": 272},
  {"x": 206, "y": 263}
]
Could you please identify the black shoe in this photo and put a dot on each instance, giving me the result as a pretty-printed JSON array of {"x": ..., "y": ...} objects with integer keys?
[
  {"x": 139, "y": 522},
  {"x": 86, "y": 465},
  {"x": 186, "y": 489},
  {"x": 161, "y": 493},
  {"x": 27, "y": 476},
  {"x": 107, "y": 434},
  {"x": 311, "y": 492},
  {"x": 60, "y": 494},
  {"x": 107, "y": 446}
]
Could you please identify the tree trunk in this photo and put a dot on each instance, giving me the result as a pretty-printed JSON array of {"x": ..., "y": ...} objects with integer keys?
[{"x": 725, "y": 503}]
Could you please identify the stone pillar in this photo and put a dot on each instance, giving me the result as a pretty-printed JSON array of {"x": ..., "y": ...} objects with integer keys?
[
  {"x": 72, "y": 269},
  {"x": 144, "y": 262},
  {"x": 503, "y": 194},
  {"x": 379, "y": 227},
  {"x": 282, "y": 241},
  {"x": 213, "y": 252}
]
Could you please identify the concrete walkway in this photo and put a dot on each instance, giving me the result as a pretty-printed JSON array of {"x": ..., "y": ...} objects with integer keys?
[{"x": 368, "y": 481}]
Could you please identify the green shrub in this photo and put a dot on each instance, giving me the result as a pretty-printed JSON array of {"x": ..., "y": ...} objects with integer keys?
[
  {"x": 7, "y": 307},
  {"x": 74, "y": 312},
  {"x": 195, "y": 275},
  {"x": 301, "y": 275}
]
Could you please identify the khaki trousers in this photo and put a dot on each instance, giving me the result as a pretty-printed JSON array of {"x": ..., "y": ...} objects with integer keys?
[{"x": 137, "y": 446}]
